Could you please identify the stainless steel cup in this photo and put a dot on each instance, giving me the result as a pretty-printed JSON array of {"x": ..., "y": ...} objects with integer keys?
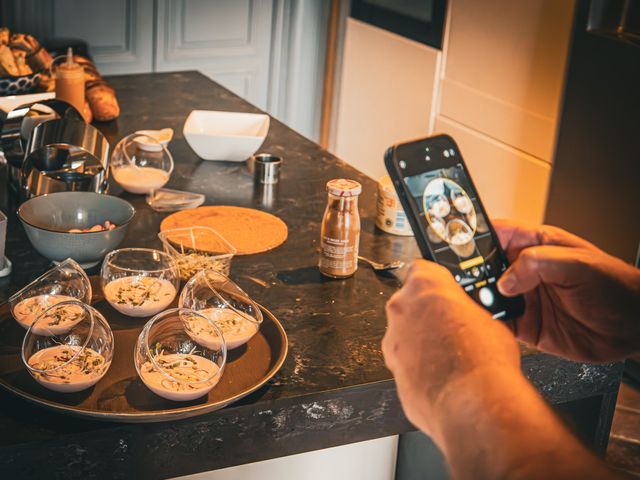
[{"x": 266, "y": 168}]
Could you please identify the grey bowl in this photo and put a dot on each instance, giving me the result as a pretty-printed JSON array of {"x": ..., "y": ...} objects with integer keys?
[{"x": 47, "y": 219}]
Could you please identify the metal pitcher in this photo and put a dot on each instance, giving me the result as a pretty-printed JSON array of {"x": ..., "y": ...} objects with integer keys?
[
  {"x": 64, "y": 155},
  {"x": 18, "y": 125}
]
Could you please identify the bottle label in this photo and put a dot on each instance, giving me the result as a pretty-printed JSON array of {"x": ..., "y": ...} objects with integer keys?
[{"x": 338, "y": 255}]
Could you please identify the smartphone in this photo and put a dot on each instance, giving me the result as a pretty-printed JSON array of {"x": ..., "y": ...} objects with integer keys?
[{"x": 448, "y": 220}]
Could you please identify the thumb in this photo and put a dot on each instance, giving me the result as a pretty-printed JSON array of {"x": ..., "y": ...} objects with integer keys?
[{"x": 536, "y": 265}]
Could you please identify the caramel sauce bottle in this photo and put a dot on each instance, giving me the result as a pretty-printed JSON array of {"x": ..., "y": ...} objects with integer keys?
[
  {"x": 70, "y": 82},
  {"x": 340, "y": 231}
]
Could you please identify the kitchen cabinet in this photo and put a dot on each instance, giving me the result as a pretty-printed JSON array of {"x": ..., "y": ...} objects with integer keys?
[
  {"x": 512, "y": 183},
  {"x": 504, "y": 70},
  {"x": 500, "y": 90}
]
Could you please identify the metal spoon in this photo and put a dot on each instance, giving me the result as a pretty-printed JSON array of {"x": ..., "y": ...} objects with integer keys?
[{"x": 382, "y": 267}]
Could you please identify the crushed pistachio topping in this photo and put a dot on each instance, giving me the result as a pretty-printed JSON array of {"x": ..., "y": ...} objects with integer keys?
[
  {"x": 63, "y": 314},
  {"x": 33, "y": 307},
  {"x": 88, "y": 364},
  {"x": 136, "y": 291},
  {"x": 185, "y": 369},
  {"x": 230, "y": 323}
]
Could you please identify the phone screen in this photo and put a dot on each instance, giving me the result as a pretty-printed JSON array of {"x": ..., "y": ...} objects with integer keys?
[{"x": 458, "y": 233}]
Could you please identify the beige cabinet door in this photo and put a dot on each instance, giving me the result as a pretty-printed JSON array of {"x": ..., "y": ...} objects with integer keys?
[
  {"x": 504, "y": 70},
  {"x": 512, "y": 184}
]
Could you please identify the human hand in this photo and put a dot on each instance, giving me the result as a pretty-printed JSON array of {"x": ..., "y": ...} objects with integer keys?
[
  {"x": 580, "y": 302},
  {"x": 436, "y": 337}
]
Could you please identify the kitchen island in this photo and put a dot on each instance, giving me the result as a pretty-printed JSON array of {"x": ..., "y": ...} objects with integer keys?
[{"x": 333, "y": 388}]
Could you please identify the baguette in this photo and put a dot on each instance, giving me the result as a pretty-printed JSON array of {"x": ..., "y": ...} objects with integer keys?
[
  {"x": 102, "y": 99},
  {"x": 20, "y": 57},
  {"x": 19, "y": 41}
]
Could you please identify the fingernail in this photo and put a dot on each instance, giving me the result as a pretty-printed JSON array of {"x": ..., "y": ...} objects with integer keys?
[{"x": 506, "y": 284}]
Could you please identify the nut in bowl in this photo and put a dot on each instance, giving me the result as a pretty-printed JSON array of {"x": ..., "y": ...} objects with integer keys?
[
  {"x": 64, "y": 282},
  {"x": 171, "y": 363},
  {"x": 139, "y": 282},
  {"x": 225, "y": 304},
  {"x": 74, "y": 358},
  {"x": 196, "y": 249},
  {"x": 141, "y": 164}
]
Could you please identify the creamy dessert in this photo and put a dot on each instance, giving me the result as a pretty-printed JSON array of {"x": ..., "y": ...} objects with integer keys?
[
  {"x": 462, "y": 244},
  {"x": 189, "y": 374},
  {"x": 439, "y": 207},
  {"x": 463, "y": 204},
  {"x": 27, "y": 310},
  {"x": 65, "y": 373},
  {"x": 236, "y": 327},
  {"x": 140, "y": 179},
  {"x": 436, "y": 232},
  {"x": 139, "y": 296}
]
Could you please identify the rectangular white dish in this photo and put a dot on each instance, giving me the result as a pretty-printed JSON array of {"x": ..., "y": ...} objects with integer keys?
[{"x": 225, "y": 136}]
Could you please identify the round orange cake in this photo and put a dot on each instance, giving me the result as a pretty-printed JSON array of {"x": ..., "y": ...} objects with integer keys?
[{"x": 248, "y": 230}]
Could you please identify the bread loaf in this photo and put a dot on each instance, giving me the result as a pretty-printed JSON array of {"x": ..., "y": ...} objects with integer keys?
[
  {"x": 8, "y": 67},
  {"x": 102, "y": 99},
  {"x": 39, "y": 60},
  {"x": 5, "y": 34},
  {"x": 20, "y": 57}
]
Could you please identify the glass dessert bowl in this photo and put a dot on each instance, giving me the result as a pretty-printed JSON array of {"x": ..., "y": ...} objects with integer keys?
[
  {"x": 196, "y": 249},
  {"x": 64, "y": 282},
  {"x": 225, "y": 304},
  {"x": 69, "y": 347},
  {"x": 171, "y": 363},
  {"x": 139, "y": 282},
  {"x": 141, "y": 170}
]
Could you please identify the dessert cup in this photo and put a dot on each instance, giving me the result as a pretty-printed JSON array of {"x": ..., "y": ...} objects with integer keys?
[
  {"x": 69, "y": 347},
  {"x": 66, "y": 281},
  {"x": 139, "y": 282},
  {"x": 196, "y": 249},
  {"x": 225, "y": 304},
  {"x": 171, "y": 364}
]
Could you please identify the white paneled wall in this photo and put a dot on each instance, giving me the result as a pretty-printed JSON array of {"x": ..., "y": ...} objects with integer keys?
[
  {"x": 117, "y": 31},
  {"x": 228, "y": 41},
  {"x": 270, "y": 52}
]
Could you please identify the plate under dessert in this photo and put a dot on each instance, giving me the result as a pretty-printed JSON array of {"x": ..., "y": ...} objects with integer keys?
[{"x": 121, "y": 396}]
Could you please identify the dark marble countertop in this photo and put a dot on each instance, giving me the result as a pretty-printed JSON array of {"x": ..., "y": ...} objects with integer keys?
[{"x": 333, "y": 388}]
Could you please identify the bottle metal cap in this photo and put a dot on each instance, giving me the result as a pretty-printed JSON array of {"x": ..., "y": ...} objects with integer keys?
[{"x": 344, "y": 187}]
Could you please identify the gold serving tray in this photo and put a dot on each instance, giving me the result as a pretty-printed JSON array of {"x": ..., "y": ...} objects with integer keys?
[{"x": 120, "y": 396}]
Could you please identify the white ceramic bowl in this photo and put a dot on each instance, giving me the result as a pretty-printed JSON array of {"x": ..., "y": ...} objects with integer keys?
[{"x": 226, "y": 136}]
